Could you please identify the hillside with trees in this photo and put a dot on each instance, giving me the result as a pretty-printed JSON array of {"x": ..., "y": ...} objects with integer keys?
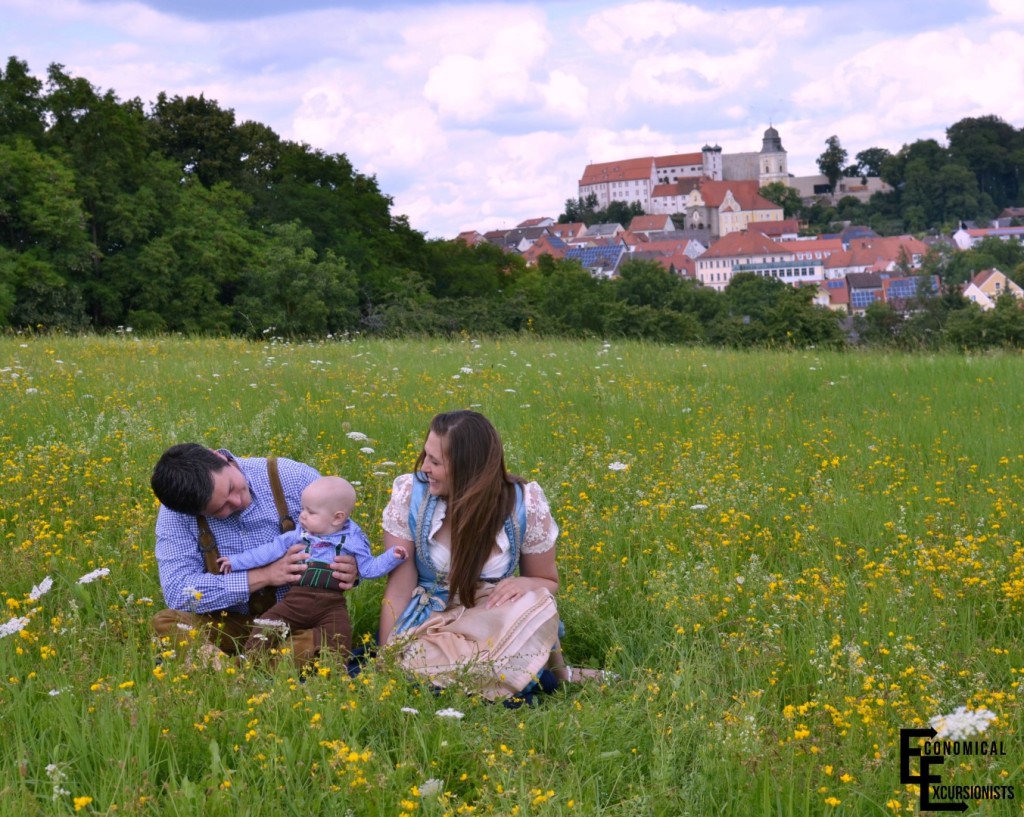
[
  {"x": 172, "y": 216},
  {"x": 978, "y": 174}
]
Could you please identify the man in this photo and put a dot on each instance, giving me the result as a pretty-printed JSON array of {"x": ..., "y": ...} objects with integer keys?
[{"x": 234, "y": 499}]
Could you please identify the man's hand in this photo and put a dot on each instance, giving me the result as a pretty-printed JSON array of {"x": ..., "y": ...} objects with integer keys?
[
  {"x": 345, "y": 571},
  {"x": 286, "y": 570}
]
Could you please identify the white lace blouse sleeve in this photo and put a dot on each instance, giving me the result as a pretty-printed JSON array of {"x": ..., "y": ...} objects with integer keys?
[
  {"x": 396, "y": 514},
  {"x": 541, "y": 528}
]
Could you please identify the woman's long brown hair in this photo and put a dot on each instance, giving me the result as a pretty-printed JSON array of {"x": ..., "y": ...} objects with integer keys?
[{"x": 481, "y": 494}]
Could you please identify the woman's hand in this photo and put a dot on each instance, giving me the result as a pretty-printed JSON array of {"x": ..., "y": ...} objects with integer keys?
[{"x": 512, "y": 588}]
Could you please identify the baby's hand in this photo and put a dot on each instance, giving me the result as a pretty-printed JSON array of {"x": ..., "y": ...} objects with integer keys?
[
  {"x": 401, "y": 552},
  {"x": 224, "y": 563}
]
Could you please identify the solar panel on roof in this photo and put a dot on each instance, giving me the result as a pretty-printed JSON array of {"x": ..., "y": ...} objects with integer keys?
[
  {"x": 862, "y": 298},
  {"x": 903, "y": 288}
]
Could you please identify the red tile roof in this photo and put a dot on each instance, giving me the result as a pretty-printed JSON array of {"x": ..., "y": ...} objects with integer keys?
[
  {"x": 543, "y": 246},
  {"x": 826, "y": 246},
  {"x": 744, "y": 192},
  {"x": 678, "y": 159},
  {"x": 622, "y": 170},
  {"x": 775, "y": 228},
  {"x": 683, "y": 187},
  {"x": 650, "y": 223},
  {"x": 741, "y": 243},
  {"x": 876, "y": 253}
]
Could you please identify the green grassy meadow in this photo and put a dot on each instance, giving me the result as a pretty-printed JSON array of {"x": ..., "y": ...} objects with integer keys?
[{"x": 787, "y": 556}]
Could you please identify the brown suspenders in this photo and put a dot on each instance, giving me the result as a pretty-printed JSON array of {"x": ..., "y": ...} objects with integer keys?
[{"x": 263, "y": 599}]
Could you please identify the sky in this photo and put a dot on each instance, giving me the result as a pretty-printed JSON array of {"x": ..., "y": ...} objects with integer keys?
[{"x": 478, "y": 116}]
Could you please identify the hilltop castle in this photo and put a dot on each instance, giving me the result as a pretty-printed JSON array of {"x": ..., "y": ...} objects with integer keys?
[{"x": 660, "y": 183}]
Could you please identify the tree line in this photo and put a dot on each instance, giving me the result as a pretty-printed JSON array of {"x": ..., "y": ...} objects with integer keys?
[
  {"x": 174, "y": 217},
  {"x": 974, "y": 177}
]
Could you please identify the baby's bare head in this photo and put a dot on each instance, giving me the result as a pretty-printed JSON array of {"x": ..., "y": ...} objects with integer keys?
[{"x": 327, "y": 503}]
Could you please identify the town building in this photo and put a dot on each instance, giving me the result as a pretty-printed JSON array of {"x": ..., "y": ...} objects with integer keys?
[{"x": 987, "y": 286}]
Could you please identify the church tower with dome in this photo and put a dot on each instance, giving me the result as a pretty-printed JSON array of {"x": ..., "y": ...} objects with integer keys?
[
  {"x": 772, "y": 166},
  {"x": 766, "y": 166}
]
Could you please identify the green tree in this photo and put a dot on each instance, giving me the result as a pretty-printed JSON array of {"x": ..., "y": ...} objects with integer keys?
[
  {"x": 455, "y": 269},
  {"x": 620, "y": 212},
  {"x": 187, "y": 277},
  {"x": 43, "y": 226},
  {"x": 580, "y": 210},
  {"x": 786, "y": 197},
  {"x": 993, "y": 151},
  {"x": 1005, "y": 323},
  {"x": 879, "y": 325},
  {"x": 22, "y": 110},
  {"x": 927, "y": 151},
  {"x": 869, "y": 163},
  {"x": 832, "y": 161},
  {"x": 106, "y": 142},
  {"x": 570, "y": 301},
  {"x": 292, "y": 291},
  {"x": 645, "y": 283},
  {"x": 200, "y": 136}
]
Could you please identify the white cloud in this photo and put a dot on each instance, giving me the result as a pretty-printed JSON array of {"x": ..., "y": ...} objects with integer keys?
[
  {"x": 486, "y": 68},
  {"x": 1010, "y": 10},
  {"x": 566, "y": 95},
  {"x": 902, "y": 86}
]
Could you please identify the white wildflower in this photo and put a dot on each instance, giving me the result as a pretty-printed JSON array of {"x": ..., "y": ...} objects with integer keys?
[
  {"x": 409, "y": 710},
  {"x": 449, "y": 713},
  {"x": 99, "y": 573},
  {"x": 15, "y": 625},
  {"x": 431, "y": 786},
  {"x": 466, "y": 370},
  {"x": 41, "y": 589},
  {"x": 32, "y": 391},
  {"x": 962, "y": 723},
  {"x": 366, "y": 449},
  {"x": 358, "y": 436},
  {"x": 617, "y": 466},
  {"x": 273, "y": 624},
  {"x": 700, "y": 506},
  {"x": 740, "y": 580}
]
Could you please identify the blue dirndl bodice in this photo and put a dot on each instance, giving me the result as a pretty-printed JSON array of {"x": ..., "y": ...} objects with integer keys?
[{"x": 431, "y": 593}]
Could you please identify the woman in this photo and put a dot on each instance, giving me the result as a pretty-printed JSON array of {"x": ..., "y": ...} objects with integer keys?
[{"x": 457, "y": 613}]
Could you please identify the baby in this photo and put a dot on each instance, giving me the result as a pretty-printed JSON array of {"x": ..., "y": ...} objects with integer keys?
[{"x": 316, "y": 603}]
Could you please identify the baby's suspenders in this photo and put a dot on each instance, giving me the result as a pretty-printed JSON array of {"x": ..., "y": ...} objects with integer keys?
[{"x": 264, "y": 598}]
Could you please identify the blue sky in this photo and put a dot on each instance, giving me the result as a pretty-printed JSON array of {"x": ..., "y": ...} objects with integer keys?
[{"x": 480, "y": 115}]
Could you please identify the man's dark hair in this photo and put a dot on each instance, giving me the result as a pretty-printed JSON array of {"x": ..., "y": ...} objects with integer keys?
[{"x": 183, "y": 477}]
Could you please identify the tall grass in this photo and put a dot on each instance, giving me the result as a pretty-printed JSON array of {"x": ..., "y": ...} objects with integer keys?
[{"x": 788, "y": 557}]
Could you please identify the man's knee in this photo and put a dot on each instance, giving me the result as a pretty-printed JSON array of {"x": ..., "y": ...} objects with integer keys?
[
  {"x": 175, "y": 624},
  {"x": 177, "y": 627}
]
